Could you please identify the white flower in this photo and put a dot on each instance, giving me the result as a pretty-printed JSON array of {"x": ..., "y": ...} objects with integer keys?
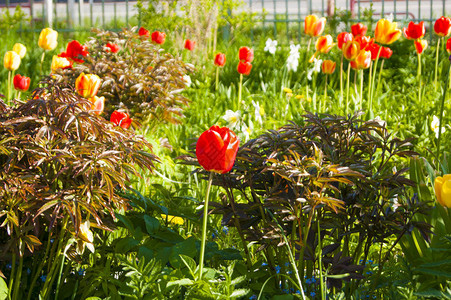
[
  {"x": 187, "y": 79},
  {"x": 247, "y": 130},
  {"x": 435, "y": 126},
  {"x": 232, "y": 117},
  {"x": 294, "y": 49},
  {"x": 293, "y": 58},
  {"x": 259, "y": 111},
  {"x": 316, "y": 68},
  {"x": 271, "y": 46}
]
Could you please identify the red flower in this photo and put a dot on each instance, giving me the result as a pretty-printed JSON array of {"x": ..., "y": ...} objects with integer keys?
[
  {"x": 21, "y": 83},
  {"x": 216, "y": 149},
  {"x": 364, "y": 41},
  {"x": 442, "y": 26},
  {"x": 121, "y": 119},
  {"x": 448, "y": 45},
  {"x": 342, "y": 38},
  {"x": 158, "y": 37},
  {"x": 190, "y": 45},
  {"x": 414, "y": 31},
  {"x": 386, "y": 52},
  {"x": 374, "y": 49},
  {"x": 144, "y": 32},
  {"x": 220, "y": 59},
  {"x": 244, "y": 67},
  {"x": 246, "y": 54},
  {"x": 111, "y": 47},
  {"x": 74, "y": 51},
  {"x": 420, "y": 45},
  {"x": 358, "y": 29}
]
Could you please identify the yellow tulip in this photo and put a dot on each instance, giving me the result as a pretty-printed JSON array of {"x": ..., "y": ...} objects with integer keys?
[
  {"x": 48, "y": 39},
  {"x": 60, "y": 63},
  {"x": 386, "y": 32},
  {"x": 314, "y": 26},
  {"x": 442, "y": 186},
  {"x": 11, "y": 61},
  {"x": 87, "y": 85},
  {"x": 20, "y": 49},
  {"x": 173, "y": 219}
]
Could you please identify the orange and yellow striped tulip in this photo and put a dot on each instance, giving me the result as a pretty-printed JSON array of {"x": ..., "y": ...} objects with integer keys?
[
  {"x": 351, "y": 49},
  {"x": 328, "y": 66},
  {"x": 87, "y": 85},
  {"x": 314, "y": 26},
  {"x": 386, "y": 32}
]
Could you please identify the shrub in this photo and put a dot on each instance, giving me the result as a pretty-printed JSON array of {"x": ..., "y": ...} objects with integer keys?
[{"x": 59, "y": 167}]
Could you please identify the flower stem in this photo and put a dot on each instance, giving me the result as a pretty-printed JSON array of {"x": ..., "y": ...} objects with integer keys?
[
  {"x": 436, "y": 63},
  {"x": 361, "y": 89},
  {"x": 320, "y": 254},
  {"x": 239, "y": 91},
  {"x": 42, "y": 60},
  {"x": 8, "y": 97},
  {"x": 217, "y": 78},
  {"x": 204, "y": 226},
  {"x": 374, "y": 74},
  {"x": 325, "y": 94},
  {"x": 419, "y": 78},
  {"x": 442, "y": 106},
  {"x": 347, "y": 88},
  {"x": 341, "y": 79}
]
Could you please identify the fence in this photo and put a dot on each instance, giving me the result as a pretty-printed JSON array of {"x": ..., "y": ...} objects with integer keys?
[
  {"x": 293, "y": 12},
  {"x": 270, "y": 13}
]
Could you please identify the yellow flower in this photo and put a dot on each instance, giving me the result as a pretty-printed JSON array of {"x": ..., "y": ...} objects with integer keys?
[
  {"x": 287, "y": 90},
  {"x": 20, "y": 49},
  {"x": 59, "y": 63},
  {"x": 87, "y": 85},
  {"x": 48, "y": 39},
  {"x": 442, "y": 186},
  {"x": 386, "y": 32},
  {"x": 11, "y": 61},
  {"x": 173, "y": 219},
  {"x": 98, "y": 104},
  {"x": 314, "y": 26},
  {"x": 299, "y": 97},
  {"x": 85, "y": 238}
]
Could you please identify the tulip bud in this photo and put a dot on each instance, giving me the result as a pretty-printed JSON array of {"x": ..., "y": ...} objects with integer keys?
[
  {"x": 358, "y": 29},
  {"x": 328, "y": 66},
  {"x": 20, "y": 49},
  {"x": 158, "y": 37},
  {"x": 386, "y": 32},
  {"x": 120, "y": 118},
  {"x": 144, "y": 32},
  {"x": 48, "y": 39},
  {"x": 87, "y": 85},
  {"x": 442, "y": 27},
  {"x": 414, "y": 31},
  {"x": 351, "y": 49},
  {"x": 60, "y": 63},
  {"x": 362, "y": 61},
  {"x": 189, "y": 45},
  {"x": 246, "y": 54},
  {"x": 111, "y": 47},
  {"x": 21, "y": 83},
  {"x": 11, "y": 61},
  {"x": 98, "y": 104},
  {"x": 314, "y": 26},
  {"x": 442, "y": 187},
  {"x": 216, "y": 149},
  {"x": 324, "y": 43},
  {"x": 220, "y": 59},
  {"x": 244, "y": 67},
  {"x": 420, "y": 45}
]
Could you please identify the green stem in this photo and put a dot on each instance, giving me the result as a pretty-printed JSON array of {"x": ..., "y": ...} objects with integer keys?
[
  {"x": 442, "y": 106},
  {"x": 239, "y": 91},
  {"x": 320, "y": 259},
  {"x": 341, "y": 80},
  {"x": 59, "y": 275},
  {"x": 347, "y": 88},
  {"x": 374, "y": 74},
  {"x": 204, "y": 225},
  {"x": 217, "y": 78},
  {"x": 8, "y": 90},
  {"x": 41, "y": 266},
  {"x": 19, "y": 272},
  {"x": 436, "y": 63},
  {"x": 13, "y": 270},
  {"x": 361, "y": 89},
  {"x": 325, "y": 94},
  {"x": 379, "y": 78},
  {"x": 369, "y": 85},
  {"x": 419, "y": 78},
  {"x": 42, "y": 61}
]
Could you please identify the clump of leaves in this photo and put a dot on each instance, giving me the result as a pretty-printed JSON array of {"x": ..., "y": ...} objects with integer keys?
[
  {"x": 332, "y": 172},
  {"x": 141, "y": 77},
  {"x": 59, "y": 167}
]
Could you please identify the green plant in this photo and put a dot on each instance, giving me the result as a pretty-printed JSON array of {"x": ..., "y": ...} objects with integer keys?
[
  {"x": 140, "y": 77},
  {"x": 59, "y": 167}
]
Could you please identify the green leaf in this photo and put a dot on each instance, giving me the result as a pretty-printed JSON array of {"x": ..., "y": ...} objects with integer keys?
[
  {"x": 181, "y": 282},
  {"x": 145, "y": 252},
  {"x": 187, "y": 247},
  {"x": 433, "y": 272},
  {"x": 152, "y": 224},
  {"x": 436, "y": 264},
  {"x": 3, "y": 289},
  {"x": 240, "y": 293},
  {"x": 93, "y": 298},
  {"x": 189, "y": 263},
  {"x": 125, "y": 245}
]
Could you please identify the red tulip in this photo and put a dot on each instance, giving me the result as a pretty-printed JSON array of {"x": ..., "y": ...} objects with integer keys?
[
  {"x": 144, "y": 32},
  {"x": 246, "y": 54},
  {"x": 374, "y": 49},
  {"x": 190, "y": 45},
  {"x": 21, "y": 83},
  {"x": 111, "y": 47},
  {"x": 343, "y": 38},
  {"x": 244, "y": 67},
  {"x": 220, "y": 59},
  {"x": 121, "y": 119},
  {"x": 442, "y": 27},
  {"x": 386, "y": 52},
  {"x": 448, "y": 45},
  {"x": 358, "y": 29},
  {"x": 74, "y": 51},
  {"x": 216, "y": 149},
  {"x": 420, "y": 45},
  {"x": 414, "y": 31},
  {"x": 158, "y": 37},
  {"x": 364, "y": 41}
]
